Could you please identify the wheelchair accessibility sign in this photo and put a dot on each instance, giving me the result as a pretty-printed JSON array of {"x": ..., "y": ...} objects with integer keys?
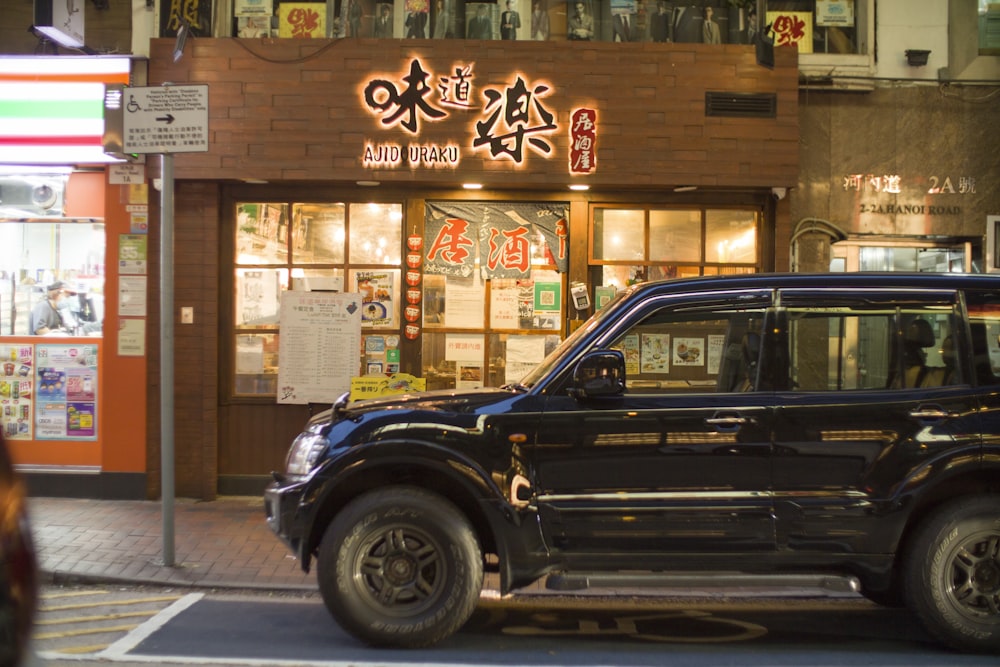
[{"x": 165, "y": 119}]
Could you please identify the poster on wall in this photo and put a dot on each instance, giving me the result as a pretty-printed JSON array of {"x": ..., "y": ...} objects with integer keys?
[
  {"x": 16, "y": 390},
  {"x": 792, "y": 28},
  {"x": 378, "y": 305},
  {"x": 302, "y": 20},
  {"x": 318, "y": 347},
  {"x": 196, "y": 13},
  {"x": 66, "y": 392}
]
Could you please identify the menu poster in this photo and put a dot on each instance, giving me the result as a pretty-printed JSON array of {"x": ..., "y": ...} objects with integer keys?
[
  {"x": 16, "y": 390},
  {"x": 318, "y": 346},
  {"x": 66, "y": 392}
]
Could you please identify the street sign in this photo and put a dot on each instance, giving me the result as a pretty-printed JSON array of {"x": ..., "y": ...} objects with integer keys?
[{"x": 166, "y": 119}]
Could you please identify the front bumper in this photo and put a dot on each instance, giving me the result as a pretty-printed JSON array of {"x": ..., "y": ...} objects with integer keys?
[{"x": 282, "y": 509}]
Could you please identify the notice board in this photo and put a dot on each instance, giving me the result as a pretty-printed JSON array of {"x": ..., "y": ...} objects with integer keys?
[{"x": 319, "y": 345}]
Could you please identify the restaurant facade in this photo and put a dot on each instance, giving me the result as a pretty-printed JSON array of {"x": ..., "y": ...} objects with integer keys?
[{"x": 481, "y": 200}]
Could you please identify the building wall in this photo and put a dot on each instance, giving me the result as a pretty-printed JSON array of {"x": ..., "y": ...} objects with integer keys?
[
  {"x": 292, "y": 110},
  {"x": 928, "y": 136}
]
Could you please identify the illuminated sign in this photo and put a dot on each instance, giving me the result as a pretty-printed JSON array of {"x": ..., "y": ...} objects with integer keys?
[
  {"x": 514, "y": 117},
  {"x": 52, "y": 108},
  {"x": 583, "y": 141}
]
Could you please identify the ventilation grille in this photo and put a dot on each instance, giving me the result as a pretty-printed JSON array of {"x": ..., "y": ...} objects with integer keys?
[{"x": 741, "y": 105}]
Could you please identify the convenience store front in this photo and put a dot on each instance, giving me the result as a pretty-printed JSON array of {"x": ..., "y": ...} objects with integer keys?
[
  {"x": 72, "y": 364},
  {"x": 348, "y": 166}
]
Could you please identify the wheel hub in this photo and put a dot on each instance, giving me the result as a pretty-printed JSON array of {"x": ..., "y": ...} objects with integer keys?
[
  {"x": 399, "y": 569},
  {"x": 986, "y": 577}
]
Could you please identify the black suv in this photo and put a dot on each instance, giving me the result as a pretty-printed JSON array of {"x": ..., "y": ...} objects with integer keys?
[{"x": 837, "y": 425}]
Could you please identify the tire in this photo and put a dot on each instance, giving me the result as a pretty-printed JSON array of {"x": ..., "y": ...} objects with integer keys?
[
  {"x": 952, "y": 574},
  {"x": 400, "y": 567}
]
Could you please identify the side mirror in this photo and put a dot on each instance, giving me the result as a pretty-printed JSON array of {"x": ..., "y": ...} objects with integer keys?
[{"x": 599, "y": 374}]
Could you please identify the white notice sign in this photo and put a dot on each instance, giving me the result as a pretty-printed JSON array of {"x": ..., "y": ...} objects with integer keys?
[
  {"x": 319, "y": 347},
  {"x": 165, "y": 119}
]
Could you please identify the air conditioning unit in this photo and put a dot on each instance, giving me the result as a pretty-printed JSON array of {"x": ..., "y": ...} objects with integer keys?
[{"x": 32, "y": 196}]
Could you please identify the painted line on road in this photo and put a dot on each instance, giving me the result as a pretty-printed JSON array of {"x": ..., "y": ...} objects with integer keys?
[{"x": 144, "y": 631}]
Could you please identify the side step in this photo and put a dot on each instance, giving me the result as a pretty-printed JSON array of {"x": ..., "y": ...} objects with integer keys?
[{"x": 577, "y": 581}]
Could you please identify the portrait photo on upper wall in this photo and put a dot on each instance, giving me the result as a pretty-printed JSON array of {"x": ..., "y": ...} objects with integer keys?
[
  {"x": 627, "y": 25},
  {"x": 709, "y": 23},
  {"x": 483, "y": 20},
  {"x": 382, "y": 25},
  {"x": 580, "y": 22},
  {"x": 415, "y": 23},
  {"x": 540, "y": 22}
]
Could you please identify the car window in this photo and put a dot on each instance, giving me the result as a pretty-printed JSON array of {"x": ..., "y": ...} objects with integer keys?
[
  {"x": 984, "y": 327},
  {"x": 716, "y": 350},
  {"x": 865, "y": 347}
]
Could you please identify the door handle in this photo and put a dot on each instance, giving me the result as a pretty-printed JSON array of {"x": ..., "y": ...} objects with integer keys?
[
  {"x": 728, "y": 421},
  {"x": 930, "y": 413}
]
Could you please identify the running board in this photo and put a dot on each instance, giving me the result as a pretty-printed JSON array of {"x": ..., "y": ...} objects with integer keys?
[{"x": 577, "y": 581}]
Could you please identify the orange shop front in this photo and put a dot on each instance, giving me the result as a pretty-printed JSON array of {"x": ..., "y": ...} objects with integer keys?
[{"x": 73, "y": 399}]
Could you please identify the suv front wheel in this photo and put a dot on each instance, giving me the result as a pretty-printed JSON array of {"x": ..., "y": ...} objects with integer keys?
[
  {"x": 953, "y": 573},
  {"x": 400, "y": 567}
]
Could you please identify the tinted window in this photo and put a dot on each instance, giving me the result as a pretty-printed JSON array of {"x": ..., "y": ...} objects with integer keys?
[
  {"x": 715, "y": 350},
  {"x": 842, "y": 348},
  {"x": 984, "y": 326}
]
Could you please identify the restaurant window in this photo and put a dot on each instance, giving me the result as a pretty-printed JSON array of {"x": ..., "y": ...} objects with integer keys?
[
  {"x": 493, "y": 290},
  {"x": 640, "y": 244},
  {"x": 56, "y": 267},
  {"x": 335, "y": 247}
]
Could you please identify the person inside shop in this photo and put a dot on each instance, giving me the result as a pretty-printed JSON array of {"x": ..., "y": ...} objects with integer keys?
[{"x": 46, "y": 318}]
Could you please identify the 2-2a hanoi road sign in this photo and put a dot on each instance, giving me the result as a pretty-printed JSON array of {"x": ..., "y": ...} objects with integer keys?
[{"x": 165, "y": 119}]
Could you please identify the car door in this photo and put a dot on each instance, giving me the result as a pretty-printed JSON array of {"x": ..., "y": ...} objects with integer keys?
[
  {"x": 860, "y": 416},
  {"x": 679, "y": 462}
]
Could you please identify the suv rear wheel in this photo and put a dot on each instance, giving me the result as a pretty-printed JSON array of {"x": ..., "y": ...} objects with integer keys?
[
  {"x": 952, "y": 573},
  {"x": 400, "y": 567}
]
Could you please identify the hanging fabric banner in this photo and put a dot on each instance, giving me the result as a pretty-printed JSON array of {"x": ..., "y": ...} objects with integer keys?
[{"x": 503, "y": 232}]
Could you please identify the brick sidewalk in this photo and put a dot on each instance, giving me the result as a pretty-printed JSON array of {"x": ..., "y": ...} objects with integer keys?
[{"x": 221, "y": 543}]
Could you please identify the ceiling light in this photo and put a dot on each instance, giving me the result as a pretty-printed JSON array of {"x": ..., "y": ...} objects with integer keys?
[
  {"x": 472, "y": 186},
  {"x": 369, "y": 184},
  {"x": 579, "y": 186}
]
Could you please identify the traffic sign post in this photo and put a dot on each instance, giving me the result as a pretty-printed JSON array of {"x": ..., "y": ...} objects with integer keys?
[{"x": 166, "y": 120}]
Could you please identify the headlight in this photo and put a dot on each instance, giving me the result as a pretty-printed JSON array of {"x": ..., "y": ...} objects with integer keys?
[{"x": 303, "y": 453}]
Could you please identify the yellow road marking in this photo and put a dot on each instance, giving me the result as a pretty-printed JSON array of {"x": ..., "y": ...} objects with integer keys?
[
  {"x": 82, "y": 649},
  {"x": 86, "y": 619},
  {"x": 70, "y": 594},
  {"x": 88, "y": 631},
  {"x": 111, "y": 603}
]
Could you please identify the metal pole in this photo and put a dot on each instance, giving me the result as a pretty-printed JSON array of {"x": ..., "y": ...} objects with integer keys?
[{"x": 167, "y": 355}]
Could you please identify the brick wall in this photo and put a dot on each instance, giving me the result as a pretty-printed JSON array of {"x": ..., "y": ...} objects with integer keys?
[{"x": 288, "y": 109}]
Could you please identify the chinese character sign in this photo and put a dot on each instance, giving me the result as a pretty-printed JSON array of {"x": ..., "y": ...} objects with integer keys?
[
  {"x": 515, "y": 118},
  {"x": 792, "y": 29},
  {"x": 583, "y": 141},
  {"x": 195, "y": 13},
  {"x": 301, "y": 20},
  {"x": 507, "y": 237}
]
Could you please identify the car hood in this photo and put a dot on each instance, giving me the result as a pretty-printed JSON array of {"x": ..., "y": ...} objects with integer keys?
[{"x": 444, "y": 400}]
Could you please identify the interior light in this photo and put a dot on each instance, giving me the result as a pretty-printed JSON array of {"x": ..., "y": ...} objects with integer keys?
[
  {"x": 579, "y": 186},
  {"x": 472, "y": 186}
]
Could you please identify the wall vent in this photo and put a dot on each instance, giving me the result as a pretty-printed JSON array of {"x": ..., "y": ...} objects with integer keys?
[{"x": 741, "y": 105}]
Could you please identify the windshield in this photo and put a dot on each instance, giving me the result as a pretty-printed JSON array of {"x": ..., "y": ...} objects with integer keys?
[{"x": 553, "y": 359}]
